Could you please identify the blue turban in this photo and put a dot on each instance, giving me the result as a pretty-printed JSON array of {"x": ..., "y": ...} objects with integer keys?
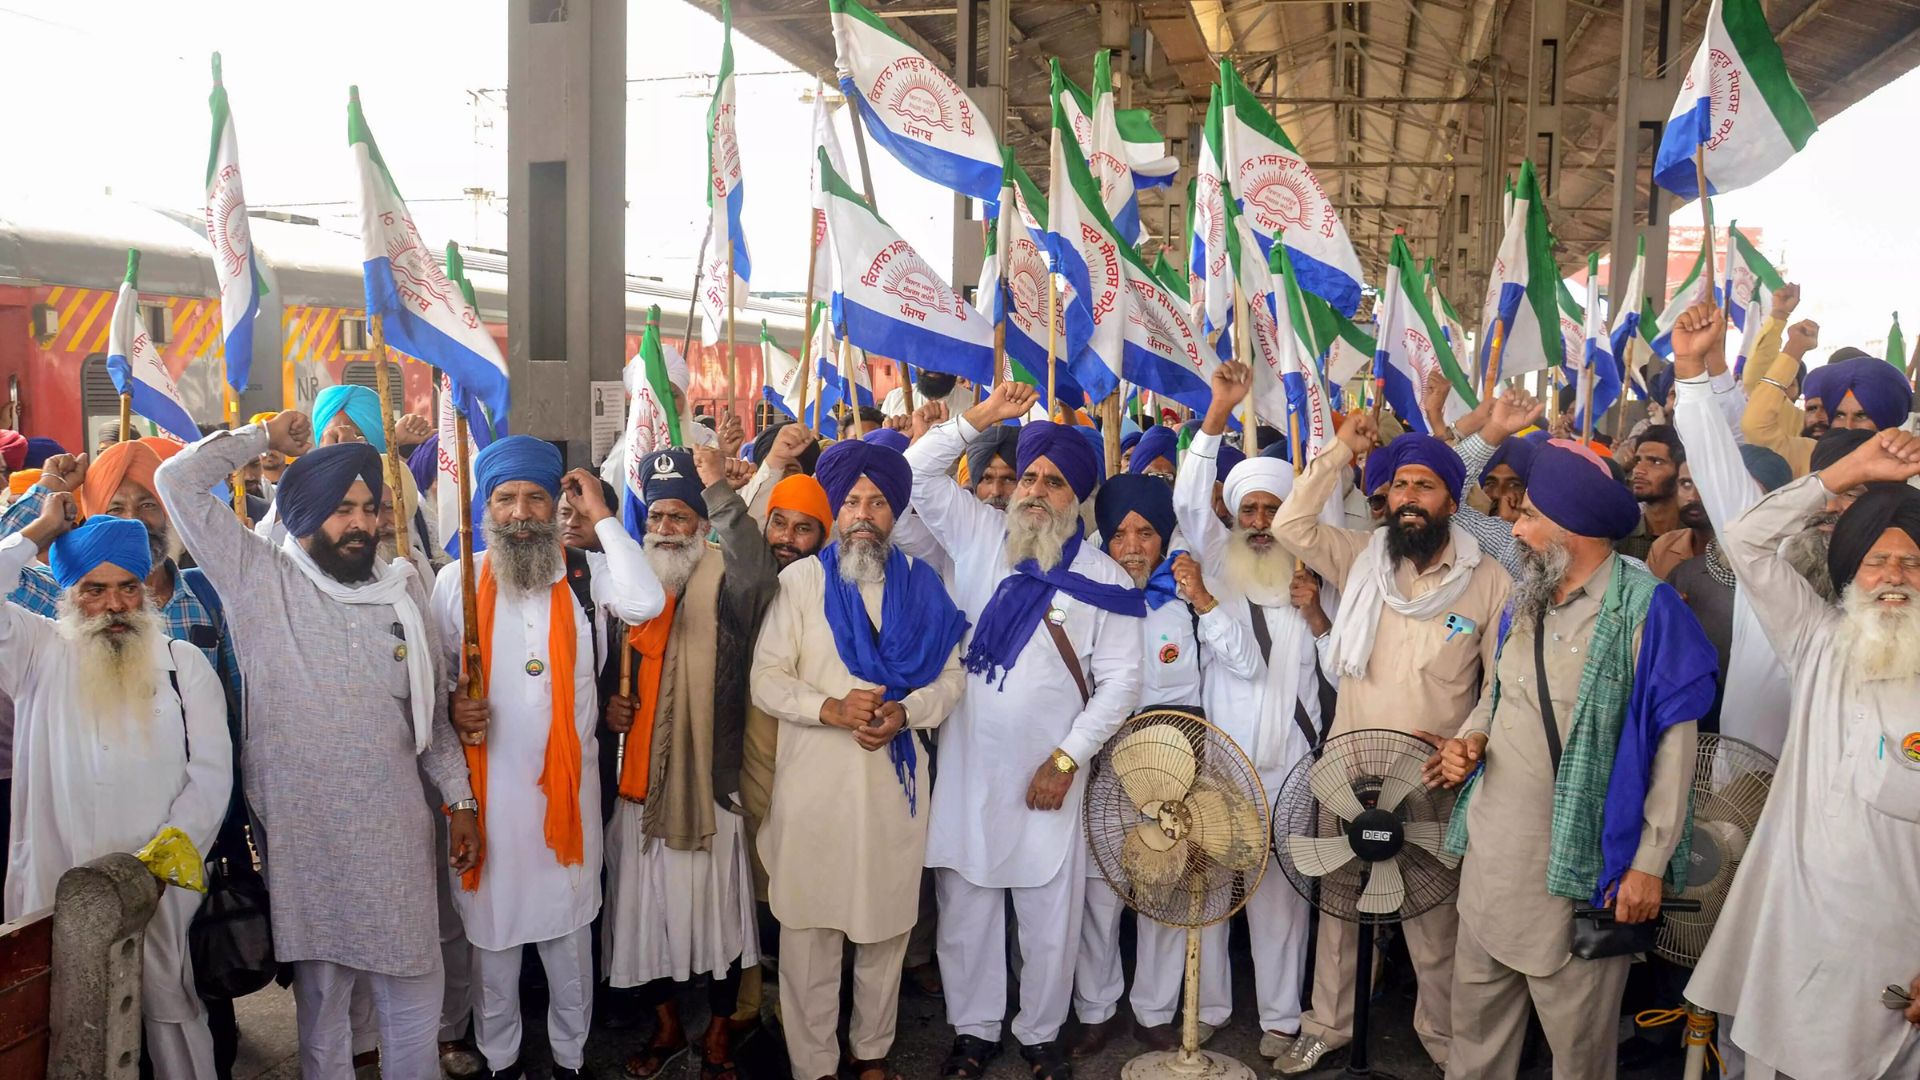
[
  {"x": 1813, "y": 386},
  {"x": 517, "y": 457},
  {"x": 1130, "y": 440},
  {"x": 889, "y": 438},
  {"x": 843, "y": 464},
  {"x": 1767, "y": 468},
  {"x": 1071, "y": 453},
  {"x": 424, "y": 462},
  {"x": 315, "y": 482},
  {"x": 1277, "y": 450},
  {"x": 1158, "y": 441},
  {"x": 1132, "y": 493},
  {"x": 1098, "y": 441},
  {"x": 669, "y": 474},
  {"x": 361, "y": 405},
  {"x": 1659, "y": 386},
  {"x": 1515, "y": 454},
  {"x": 103, "y": 539},
  {"x": 1879, "y": 387},
  {"x": 39, "y": 450},
  {"x": 999, "y": 441},
  {"x": 1416, "y": 449},
  {"x": 1576, "y": 492},
  {"x": 1225, "y": 460}
]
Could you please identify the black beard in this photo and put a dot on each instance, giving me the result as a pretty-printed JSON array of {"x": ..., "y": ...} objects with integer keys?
[
  {"x": 1660, "y": 494},
  {"x": 1694, "y": 516},
  {"x": 346, "y": 569},
  {"x": 1813, "y": 430},
  {"x": 1418, "y": 543}
]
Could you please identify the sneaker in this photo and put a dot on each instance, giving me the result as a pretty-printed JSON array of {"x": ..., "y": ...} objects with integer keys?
[
  {"x": 1275, "y": 1043},
  {"x": 1302, "y": 1056}
]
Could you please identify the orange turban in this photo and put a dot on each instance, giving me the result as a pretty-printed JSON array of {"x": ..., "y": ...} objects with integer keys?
[
  {"x": 804, "y": 495},
  {"x": 22, "y": 479},
  {"x": 164, "y": 447},
  {"x": 135, "y": 461}
]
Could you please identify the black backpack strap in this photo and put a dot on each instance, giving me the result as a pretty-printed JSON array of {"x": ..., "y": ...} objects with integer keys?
[
  {"x": 1264, "y": 636},
  {"x": 173, "y": 677},
  {"x": 1546, "y": 694},
  {"x": 580, "y": 580}
]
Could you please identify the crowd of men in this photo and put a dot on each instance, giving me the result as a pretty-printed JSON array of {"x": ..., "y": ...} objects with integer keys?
[{"x": 836, "y": 704}]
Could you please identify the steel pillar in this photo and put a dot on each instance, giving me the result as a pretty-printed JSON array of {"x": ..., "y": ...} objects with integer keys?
[
  {"x": 981, "y": 49},
  {"x": 1650, "y": 39},
  {"x": 1545, "y": 87},
  {"x": 566, "y": 222}
]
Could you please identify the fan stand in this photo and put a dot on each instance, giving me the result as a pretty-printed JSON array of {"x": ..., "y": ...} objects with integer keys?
[
  {"x": 1357, "y": 1064},
  {"x": 1189, "y": 1061}
]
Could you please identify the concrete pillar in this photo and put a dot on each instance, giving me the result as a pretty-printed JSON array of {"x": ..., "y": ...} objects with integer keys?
[
  {"x": 981, "y": 49},
  {"x": 100, "y": 913},
  {"x": 1545, "y": 85},
  {"x": 1640, "y": 116},
  {"x": 566, "y": 222}
]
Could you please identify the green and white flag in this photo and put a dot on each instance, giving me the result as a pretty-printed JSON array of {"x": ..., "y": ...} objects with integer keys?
[
  {"x": 1896, "y": 345},
  {"x": 1410, "y": 345},
  {"x": 1748, "y": 285},
  {"x": 1737, "y": 104},
  {"x": 1693, "y": 288},
  {"x": 1523, "y": 290}
]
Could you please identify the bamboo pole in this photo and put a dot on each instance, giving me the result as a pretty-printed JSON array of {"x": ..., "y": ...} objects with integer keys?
[
  {"x": 1053, "y": 334},
  {"x": 806, "y": 317},
  {"x": 1243, "y": 352},
  {"x": 394, "y": 467},
  {"x": 733, "y": 361},
  {"x": 1495, "y": 349},
  {"x": 469, "y": 591},
  {"x": 126, "y": 418},
  {"x": 1700, "y": 176},
  {"x": 851, "y": 429},
  {"x": 1110, "y": 431},
  {"x": 1586, "y": 395},
  {"x": 693, "y": 298},
  {"x": 238, "y": 481}
]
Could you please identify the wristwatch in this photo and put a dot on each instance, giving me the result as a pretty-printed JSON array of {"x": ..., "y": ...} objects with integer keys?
[
  {"x": 1063, "y": 762},
  {"x": 465, "y": 804}
]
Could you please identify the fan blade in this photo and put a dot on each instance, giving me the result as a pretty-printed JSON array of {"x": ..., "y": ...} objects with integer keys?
[
  {"x": 1334, "y": 788},
  {"x": 1428, "y": 837},
  {"x": 1401, "y": 779},
  {"x": 1226, "y": 827},
  {"x": 1150, "y": 868},
  {"x": 1318, "y": 856},
  {"x": 1155, "y": 764},
  {"x": 1386, "y": 890}
]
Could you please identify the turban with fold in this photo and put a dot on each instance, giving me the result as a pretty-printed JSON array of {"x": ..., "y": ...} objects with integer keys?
[
  {"x": 1098, "y": 442},
  {"x": 1572, "y": 487},
  {"x": 1277, "y": 450},
  {"x": 312, "y": 487},
  {"x": 163, "y": 447},
  {"x": 1767, "y": 468},
  {"x": 1515, "y": 454},
  {"x": 424, "y": 462},
  {"x": 1133, "y": 493},
  {"x": 22, "y": 480},
  {"x": 101, "y": 540},
  {"x": 763, "y": 445},
  {"x": 1879, "y": 387},
  {"x": 1159, "y": 441},
  {"x": 1271, "y": 475},
  {"x": 1130, "y": 440},
  {"x": 1883, "y": 507},
  {"x": 889, "y": 438},
  {"x": 119, "y": 463},
  {"x": 999, "y": 441},
  {"x": 517, "y": 457},
  {"x": 1836, "y": 444},
  {"x": 802, "y": 494},
  {"x": 13, "y": 449},
  {"x": 1660, "y": 386},
  {"x": 39, "y": 450},
  {"x": 844, "y": 463},
  {"x": 361, "y": 405},
  {"x": 1065, "y": 448},
  {"x": 669, "y": 474},
  {"x": 1416, "y": 449},
  {"x": 1225, "y": 459}
]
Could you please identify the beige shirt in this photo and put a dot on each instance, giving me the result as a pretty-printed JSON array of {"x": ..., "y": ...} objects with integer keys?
[
  {"x": 840, "y": 849},
  {"x": 1770, "y": 419},
  {"x": 1421, "y": 674},
  {"x": 1503, "y": 893}
]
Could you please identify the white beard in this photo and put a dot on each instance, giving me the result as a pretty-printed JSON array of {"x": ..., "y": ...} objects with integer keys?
[
  {"x": 1878, "y": 641},
  {"x": 1806, "y": 552},
  {"x": 1043, "y": 543},
  {"x": 1541, "y": 573},
  {"x": 863, "y": 554},
  {"x": 115, "y": 673},
  {"x": 674, "y": 559},
  {"x": 1265, "y": 577}
]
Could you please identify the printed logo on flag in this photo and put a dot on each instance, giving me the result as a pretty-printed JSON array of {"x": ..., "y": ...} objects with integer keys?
[
  {"x": 1723, "y": 88},
  {"x": 1027, "y": 281},
  {"x": 1420, "y": 352},
  {"x": 1206, "y": 199},
  {"x": 917, "y": 91},
  {"x": 899, "y": 271},
  {"x": 227, "y": 221},
  {"x": 1168, "y": 332},
  {"x": 1103, "y": 269},
  {"x": 724, "y": 172},
  {"x": 417, "y": 276},
  {"x": 1282, "y": 193}
]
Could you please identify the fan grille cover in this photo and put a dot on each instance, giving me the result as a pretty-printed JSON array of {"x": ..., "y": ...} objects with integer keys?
[
  {"x": 1731, "y": 779},
  {"x": 1381, "y": 770},
  {"x": 1176, "y": 819}
]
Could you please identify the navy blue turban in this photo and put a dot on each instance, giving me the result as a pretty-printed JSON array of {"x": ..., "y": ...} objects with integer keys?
[
  {"x": 1416, "y": 449},
  {"x": 762, "y": 445},
  {"x": 1767, "y": 468},
  {"x": 1098, "y": 442},
  {"x": 315, "y": 482},
  {"x": 1228, "y": 457},
  {"x": 1069, "y": 451},
  {"x": 1576, "y": 492},
  {"x": 517, "y": 457},
  {"x": 1660, "y": 385},
  {"x": 1883, "y": 507},
  {"x": 843, "y": 464},
  {"x": 1130, "y": 440},
  {"x": 999, "y": 441},
  {"x": 1515, "y": 454},
  {"x": 1277, "y": 450},
  {"x": 424, "y": 462},
  {"x": 889, "y": 438},
  {"x": 669, "y": 474},
  {"x": 1131, "y": 493},
  {"x": 1158, "y": 441},
  {"x": 103, "y": 539},
  {"x": 1879, "y": 387},
  {"x": 39, "y": 450}
]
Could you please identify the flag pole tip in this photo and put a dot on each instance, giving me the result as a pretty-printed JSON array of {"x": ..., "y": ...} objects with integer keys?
[{"x": 216, "y": 69}]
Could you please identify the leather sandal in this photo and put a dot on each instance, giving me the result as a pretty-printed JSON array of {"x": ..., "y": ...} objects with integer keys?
[
  {"x": 969, "y": 1058},
  {"x": 870, "y": 1069},
  {"x": 1045, "y": 1061}
]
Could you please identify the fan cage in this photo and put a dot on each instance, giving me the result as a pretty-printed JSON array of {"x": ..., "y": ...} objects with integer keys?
[
  {"x": 1731, "y": 779},
  {"x": 1366, "y": 756},
  {"x": 1202, "y": 890}
]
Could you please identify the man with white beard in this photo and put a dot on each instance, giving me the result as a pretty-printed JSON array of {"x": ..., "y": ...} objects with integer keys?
[
  {"x": 859, "y": 653},
  {"x": 1586, "y": 734},
  {"x": 529, "y": 728},
  {"x": 120, "y": 740},
  {"x": 1817, "y": 932},
  {"x": 1262, "y": 681},
  {"x": 1053, "y": 669},
  {"x": 679, "y": 886}
]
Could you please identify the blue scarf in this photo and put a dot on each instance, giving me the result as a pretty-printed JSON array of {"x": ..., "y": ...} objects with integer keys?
[
  {"x": 1014, "y": 610},
  {"x": 919, "y": 626},
  {"x": 1161, "y": 587}
]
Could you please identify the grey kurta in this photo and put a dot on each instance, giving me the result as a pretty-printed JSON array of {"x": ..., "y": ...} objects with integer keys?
[{"x": 327, "y": 748}]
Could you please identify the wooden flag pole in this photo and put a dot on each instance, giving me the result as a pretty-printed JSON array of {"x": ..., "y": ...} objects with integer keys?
[
  {"x": 394, "y": 468},
  {"x": 806, "y": 316},
  {"x": 1626, "y": 381},
  {"x": 1053, "y": 334},
  {"x": 1249, "y": 420},
  {"x": 1110, "y": 431},
  {"x": 693, "y": 298},
  {"x": 1586, "y": 395},
  {"x": 126, "y": 418},
  {"x": 733, "y": 361},
  {"x": 1495, "y": 349},
  {"x": 1700, "y": 177},
  {"x": 851, "y": 430},
  {"x": 238, "y": 481},
  {"x": 806, "y": 372},
  {"x": 469, "y": 590}
]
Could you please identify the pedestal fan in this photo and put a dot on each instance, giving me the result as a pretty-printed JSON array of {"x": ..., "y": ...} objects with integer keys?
[
  {"x": 1177, "y": 824},
  {"x": 1358, "y": 834}
]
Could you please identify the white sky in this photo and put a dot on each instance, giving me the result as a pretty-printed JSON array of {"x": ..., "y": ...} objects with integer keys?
[{"x": 123, "y": 86}]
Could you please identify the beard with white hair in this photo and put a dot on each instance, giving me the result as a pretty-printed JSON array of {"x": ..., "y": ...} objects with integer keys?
[
  {"x": 1262, "y": 572},
  {"x": 1880, "y": 632},
  {"x": 674, "y": 558},
  {"x": 1541, "y": 573},
  {"x": 113, "y": 658},
  {"x": 1042, "y": 540},
  {"x": 863, "y": 552},
  {"x": 526, "y": 556},
  {"x": 1806, "y": 552}
]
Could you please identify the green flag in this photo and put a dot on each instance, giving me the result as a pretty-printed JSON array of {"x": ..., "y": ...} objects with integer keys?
[{"x": 655, "y": 362}]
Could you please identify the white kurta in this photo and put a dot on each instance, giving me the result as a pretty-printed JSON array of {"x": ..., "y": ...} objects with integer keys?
[
  {"x": 1821, "y": 917},
  {"x": 841, "y": 850},
  {"x": 1001, "y": 733},
  {"x": 86, "y": 785},
  {"x": 525, "y": 895}
]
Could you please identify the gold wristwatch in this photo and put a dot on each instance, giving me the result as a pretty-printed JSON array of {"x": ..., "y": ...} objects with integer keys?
[{"x": 1063, "y": 762}]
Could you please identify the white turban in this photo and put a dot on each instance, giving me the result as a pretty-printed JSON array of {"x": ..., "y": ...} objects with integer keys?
[
  {"x": 676, "y": 366},
  {"x": 1271, "y": 475}
]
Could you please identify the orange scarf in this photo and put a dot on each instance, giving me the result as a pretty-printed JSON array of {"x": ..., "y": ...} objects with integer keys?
[
  {"x": 649, "y": 639},
  {"x": 560, "y": 774}
]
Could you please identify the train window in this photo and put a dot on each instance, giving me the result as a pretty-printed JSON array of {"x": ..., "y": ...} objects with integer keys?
[
  {"x": 364, "y": 373},
  {"x": 159, "y": 322},
  {"x": 353, "y": 335}
]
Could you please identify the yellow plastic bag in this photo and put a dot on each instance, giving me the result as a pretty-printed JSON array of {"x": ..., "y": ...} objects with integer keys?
[{"x": 173, "y": 859}]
